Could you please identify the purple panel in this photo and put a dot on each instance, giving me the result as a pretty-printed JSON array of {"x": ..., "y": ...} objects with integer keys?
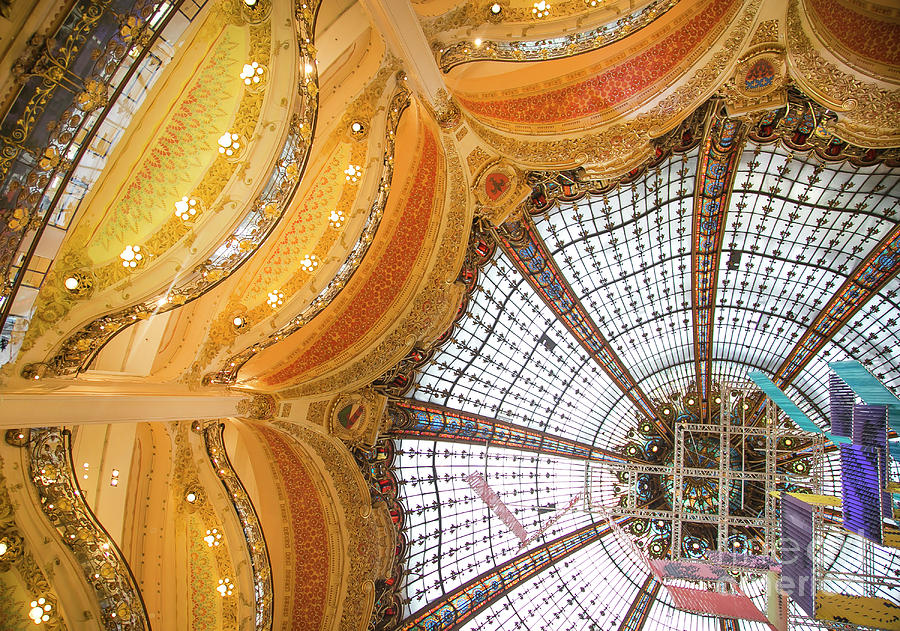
[
  {"x": 861, "y": 491},
  {"x": 796, "y": 553},
  {"x": 870, "y": 423},
  {"x": 842, "y": 400}
]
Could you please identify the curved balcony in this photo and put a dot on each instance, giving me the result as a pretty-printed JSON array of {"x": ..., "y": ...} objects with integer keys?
[
  {"x": 79, "y": 91},
  {"x": 62, "y": 501}
]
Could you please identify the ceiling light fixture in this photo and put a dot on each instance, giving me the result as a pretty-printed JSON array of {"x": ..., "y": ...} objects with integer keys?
[
  {"x": 40, "y": 610},
  {"x": 353, "y": 172},
  {"x": 309, "y": 262},
  {"x": 336, "y": 218},
  {"x": 541, "y": 9},
  {"x": 275, "y": 299},
  {"x": 186, "y": 208},
  {"x": 229, "y": 143},
  {"x": 131, "y": 256},
  {"x": 213, "y": 537},
  {"x": 252, "y": 73},
  {"x": 225, "y": 588}
]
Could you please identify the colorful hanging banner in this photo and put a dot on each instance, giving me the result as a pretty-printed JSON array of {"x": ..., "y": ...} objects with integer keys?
[
  {"x": 862, "y": 491},
  {"x": 486, "y": 493},
  {"x": 790, "y": 408},
  {"x": 798, "y": 577},
  {"x": 866, "y": 611},
  {"x": 736, "y": 605}
]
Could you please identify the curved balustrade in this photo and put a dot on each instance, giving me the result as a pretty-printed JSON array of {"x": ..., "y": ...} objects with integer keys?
[
  {"x": 261, "y": 217},
  {"x": 105, "y": 569},
  {"x": 253, "y": 534},
  {"x": 399, "y": 102},
  {"x": 555, "y": 47},
  {"x": 57, "y": 135}
]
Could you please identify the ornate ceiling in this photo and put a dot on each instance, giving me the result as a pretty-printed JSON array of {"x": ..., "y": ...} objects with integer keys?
[{"x": 558, "y": 219}]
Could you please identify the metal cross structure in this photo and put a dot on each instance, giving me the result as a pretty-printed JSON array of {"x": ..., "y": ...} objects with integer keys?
[{"x": 727, "y": 479}]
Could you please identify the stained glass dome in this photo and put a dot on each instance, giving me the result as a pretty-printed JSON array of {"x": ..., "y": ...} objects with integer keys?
[{"x": 804, "y": 215}]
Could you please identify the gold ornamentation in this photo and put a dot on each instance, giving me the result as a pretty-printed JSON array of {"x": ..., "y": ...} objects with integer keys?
[
  {"x": 96, "y": 552},
  {"x": 766, "y": 32},
  {"x": 499, "y": 189},
  {"x": 867, "y": 115},
  {"x": 355, "y": 418},
  {"x": 317, "y": 413},
  {"x": 758, "y": 83},
  {"x": 432, "y": 309},
  {"x": 260, "y": 407},
  {"x": 552, "y": 48},
  {"x": 185, "y": 479},
  {"x": 473, "y": 14},
  {"x": 79, "y": 348},
  {"x": 371, "y": 543},
  {"x": 447, "y": 114},
  {"x": 399, "y": 102},
  {"x": 617, "y": 149},
  {"x": 19, "y": 558},
  {"x": 861, "y": 58},
  {"x": 257, "y": 550},
  {"x": 477, "y": 158}
]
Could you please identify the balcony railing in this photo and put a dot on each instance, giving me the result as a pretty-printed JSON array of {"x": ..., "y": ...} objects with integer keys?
[
  {"x": 79, "y": 90},
  {"x": 253, "y": 535},
  {"x": 53, "y": 475}
]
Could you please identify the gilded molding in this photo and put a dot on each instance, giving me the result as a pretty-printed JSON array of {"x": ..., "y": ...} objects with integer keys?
[
  {"x": 604, "y": 92},
  {"x": 263, "y": 215},
  {"x": 355, "y": 417},
  {"x": 253, "y": 534},
  {"x": 618, "y": 148},
  {"x": 400, "y": 100},
  {"x": 222, "y": 333},
  {"x": 552, "y": 48},
  {"x": 766, "y": 33},
  {"x": 432, "y": 309},
  {"x": 52, "y": 67},
  {"x": 259, "y": 407},
  {"x": 476, "y": 13},
  {"x": 185, "y": 480},
  {"x": 18, "y": 558},
  {"x": 55, "y": 301},
  {"x": 101, "y": 561},
  {"x": 867, "y": 114},
  {"x": 883, "y": 68},
  {"x": 47, "y": 170},
  {"x": 367, "y": 539}
]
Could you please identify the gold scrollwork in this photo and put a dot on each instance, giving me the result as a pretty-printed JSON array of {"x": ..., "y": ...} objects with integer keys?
[
  {"x": 261, "y": 218},
  {"x": 618, "y": 148},
  {"x": 400, "y": 100},
  {"x": 250, "y": 526},
  {"x": 432, "y": 309},
  {"x": 101, "y": 561},
  {"x": 552, "y": 48},
  {"x": 868, "y": 115}
]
